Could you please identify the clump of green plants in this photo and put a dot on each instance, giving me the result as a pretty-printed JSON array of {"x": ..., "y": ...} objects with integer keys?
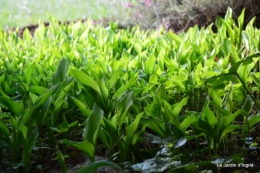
[{"x": 146, "y": 101}]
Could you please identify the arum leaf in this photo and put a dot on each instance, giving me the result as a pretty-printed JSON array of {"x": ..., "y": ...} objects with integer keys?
[
  {"x": 85, "y": 79},
  {"x": 13, "y": 106},
  {"x": 85, "y": 146},
  {"x": 92, "y": 125}
]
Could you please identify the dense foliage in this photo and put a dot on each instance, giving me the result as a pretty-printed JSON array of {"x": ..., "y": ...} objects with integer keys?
[{"x": 150, "y": 101}]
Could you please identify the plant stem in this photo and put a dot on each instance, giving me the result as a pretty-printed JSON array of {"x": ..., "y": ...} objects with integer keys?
[{"x": 248, "y": 92}]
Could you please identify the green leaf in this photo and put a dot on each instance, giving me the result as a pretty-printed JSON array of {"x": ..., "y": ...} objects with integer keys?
[
  {"x": 61, "y": 161},
  {"x": 254, "y": 119},
  {"x": 155, "y": 125},
  {"x": 31, "y": 141},
  {"x": 94, "y": 166},
  {"x": 248, "y": 105},
  {"x": 81, "y": 106},
  {"x": 186, "y": 123},
  {"x": 28, "y": 72},
  {"x": 215, "y": 96},
  {"x": 23, "y": 129},
  {"x": 207, "y": 129},
  {"x": 246, "y": 61},
  {"x": 175, "y": 37},
  {"x": 227, "y": 120},
  {"x": 149, "y": 64},
  {"x": 13, "y": 106},
  {"x": 229, "y": 30},
  {"x": 228, "y": 129},
  {"x": 178, "y": 106},
  {"x": 45, "y": 96},
  {"x": 85, "y": 79},
  {"x": 131, "y": 129},
  {"x": 85, "y": 146},
  {"x": 124, "y": 88},
  {"x": 256, "y": 80},
  {"x": 37, "y": 90},
  {"x": 123, "y": 105},
  {"x": 161, "y": 92},
  {"x": 5, "y": 134},
  {"x": 92, "y": 125},
  {"x": 228, "y": 102},
  {"x": 241, "y": 26},
  {"x": 60, "y": 74}
]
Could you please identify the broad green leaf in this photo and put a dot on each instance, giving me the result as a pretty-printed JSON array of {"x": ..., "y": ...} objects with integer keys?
[
  {"x": 5, "y": 134},
  {"x": 81, "y": 106},
  {"x": 27, "y": 35},
  {"x": 85, "y": 79},
  {"x": 123, "y": 105},
  {"x": 215, "y": 96},
  {"x": 37, "y": 90},
  {"x": 207, "y": 129},
  {"x": 149, "y": 64},
  {"x": 28, "y": 72},
  {"x": 186, "y": 123},
  {"x": 228, "y": 129},
  {"x": 161, "y": 92},
  {"x": 23, "y": 129},
  {"x": 124, "y": 88},
  {"x": 110, "y": 128},
  {"x": 209, "y": 117},
  {"x": 45, "y": 96},
  {"x": 229, "y": 30},
  {"x": 92, "y": 167},
  {"x": 31, "y": 141},
  {"x": 27, "y": 116},
  {"x": 227, "y": 120},
  {"x": 92, "y": 125},
  {"x": 178, "y": 106},
  {"x": 60, "y": 73},
  {"x": 228, "y": 101},
  {"x": 85, "y": 146},
  {"x": 173, "y": 119},
  {"x": 246, "y": 61},
  {"x": 175, "y": 37},
  {"x": 155, "y": 125},
  {"x": 254, "y": 119},
  {"x": 25, "y": 86},
  {"x": 248, "y": 105},
  {"x": 13, "y": 106},
  {"x": 131, "y": 129},
  {"x": 241, "y": 25}
]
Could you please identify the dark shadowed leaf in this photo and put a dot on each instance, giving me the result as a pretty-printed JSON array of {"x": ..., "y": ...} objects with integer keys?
[{"x": 13, "y": 106}]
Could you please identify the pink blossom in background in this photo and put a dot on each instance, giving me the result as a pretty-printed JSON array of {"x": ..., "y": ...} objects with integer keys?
[
  {"x": 147, "y": 2},
  {"x": 94, "y": 22},
  {"x": 128, "y": 5}
]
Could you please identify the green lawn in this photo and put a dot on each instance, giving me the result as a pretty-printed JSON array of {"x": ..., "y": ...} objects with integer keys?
[{"x": 15, "y": 13}]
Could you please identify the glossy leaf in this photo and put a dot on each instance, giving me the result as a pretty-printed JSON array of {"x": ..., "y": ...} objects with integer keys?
[
  {"x": 13, "y": 106},
  {"x": 61, "y": 71},
  {"x": 92, "y": 125},
  {"x": 85, "y": 79}
]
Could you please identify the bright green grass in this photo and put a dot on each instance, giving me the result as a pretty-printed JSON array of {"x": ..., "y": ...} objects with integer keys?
[{"x": 15, "y": 13}]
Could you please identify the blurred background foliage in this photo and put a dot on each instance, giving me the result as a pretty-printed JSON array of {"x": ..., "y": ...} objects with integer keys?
[{"x": 176, "y": 15}]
